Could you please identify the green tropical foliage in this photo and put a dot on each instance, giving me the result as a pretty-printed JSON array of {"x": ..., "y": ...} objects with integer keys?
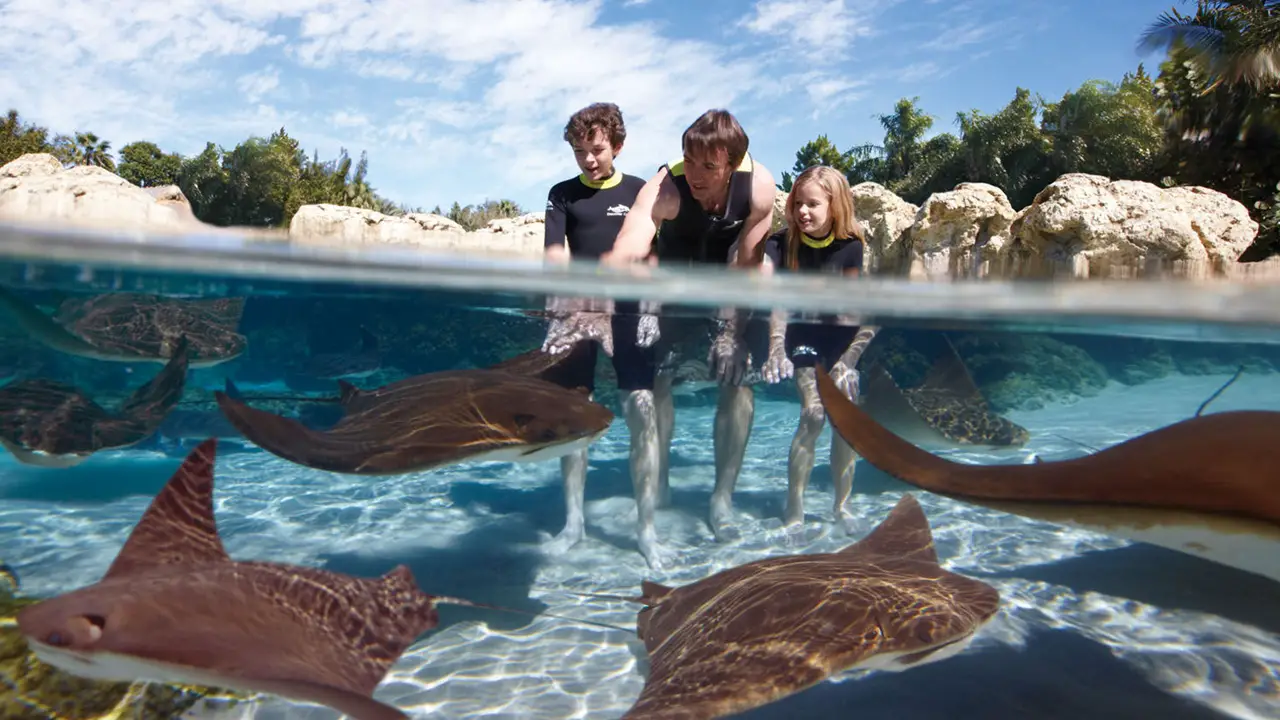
[
  {"x": 144, "y": 164},
  {"x": 1211, "y": 117},
  {"x": 260, "y": 182},
  {"x": 1230, "y": 42}
]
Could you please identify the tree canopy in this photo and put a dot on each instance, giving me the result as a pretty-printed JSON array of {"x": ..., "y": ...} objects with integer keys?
[
  {"x": 1211, "y": 117},
  {"x": 260, "y": 182}
]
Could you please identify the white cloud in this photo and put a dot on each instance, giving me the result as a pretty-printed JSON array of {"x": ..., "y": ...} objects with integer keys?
[
  {"x": 815, "y": 29},
  {"x": 256, "y": 84},
  {"x": 927, "y": 70},
  {"x": 969, "y": 33},
  {"x": 449, "y": 97},
  {"x": 349, "y": 119}
]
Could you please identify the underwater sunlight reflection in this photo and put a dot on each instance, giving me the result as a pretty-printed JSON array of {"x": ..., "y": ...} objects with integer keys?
[{"x": 382, "y": 523}]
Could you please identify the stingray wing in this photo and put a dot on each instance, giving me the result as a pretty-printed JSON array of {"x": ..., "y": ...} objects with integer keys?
[
  {"x": 48, "y": 415},
  {"x": 785, "y": 626},
  {"x": 143, "y": 412},
  {"x": 305, "y": 625},
  {"x": 540, "y": 364},
  {"x": 415, "y": 424}
]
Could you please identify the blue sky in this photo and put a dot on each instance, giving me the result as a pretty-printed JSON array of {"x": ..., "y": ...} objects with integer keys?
[{"x": 466, "y": 99}]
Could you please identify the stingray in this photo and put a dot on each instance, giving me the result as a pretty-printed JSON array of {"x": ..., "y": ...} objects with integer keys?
[
  {"x": 1207, "y": 486},
  {"x": 31, "y": 690},
  {"x": 754, "y": 634},
  {"x": 133, "y": 327},
  {"x": 174, "y": 608},
  {"x": 52, "y": 424},
  {"x": 946, "y": 410},
  {"x": 351, "y": 364},
  {"x": 433, "y": 420}
]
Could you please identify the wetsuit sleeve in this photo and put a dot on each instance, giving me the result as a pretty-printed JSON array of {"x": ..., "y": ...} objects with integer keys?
[
  {"x": 555, "y": 220},
  {"x": 852, "y": 259},
  {"x": 773, "y": 248}
]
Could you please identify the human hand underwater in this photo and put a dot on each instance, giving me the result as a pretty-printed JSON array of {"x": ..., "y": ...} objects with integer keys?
[
  {"x": 846, "y": 379},
  {"x": 564, "y": 333},
  {"x": 777, "y": 367},
  {"x": 647, "y": 330},
  {"x": 729, "y": 357}
]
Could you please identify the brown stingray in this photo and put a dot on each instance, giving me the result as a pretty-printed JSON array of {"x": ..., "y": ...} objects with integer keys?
[
  {"x": 432, "y": 420},
  {"x": 944, "y": 411},
  {"x": 52, "y": 424},
  {"x": 174, "y": 608},
  {"x": 1208, "y": 486},
  {"x": 543, "y": 365},
  {"x": 754, "y": 634},
  {"x": 134, "y": 327}
]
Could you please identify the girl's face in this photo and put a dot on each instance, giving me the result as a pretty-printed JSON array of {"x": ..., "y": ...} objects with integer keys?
[{"x": 812, "y": 209}]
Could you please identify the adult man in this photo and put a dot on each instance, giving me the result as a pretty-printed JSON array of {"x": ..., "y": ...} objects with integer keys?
[
  {"x": 584, "y": 215},
  {"x": 714, "y": 205}
]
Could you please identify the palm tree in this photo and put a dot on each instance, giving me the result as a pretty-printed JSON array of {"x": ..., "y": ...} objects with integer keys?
[
  {"x": 94, "y": 151},
  {"x": 1234, "y": 41}
]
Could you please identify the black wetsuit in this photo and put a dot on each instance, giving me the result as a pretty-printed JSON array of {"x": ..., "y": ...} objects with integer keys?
[
  {"x": 588, "y": 215},
  {"x": 695, "y": 236},
  {"x": 809, "y": 343}
]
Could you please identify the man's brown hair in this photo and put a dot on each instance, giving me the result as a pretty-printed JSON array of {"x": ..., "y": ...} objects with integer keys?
[
  {"x": 605, "y": 116},
  {"x": 716, "y": 129}
]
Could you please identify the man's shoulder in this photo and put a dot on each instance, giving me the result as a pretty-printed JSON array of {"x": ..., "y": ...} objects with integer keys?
[{"x": 763, "y": 189}]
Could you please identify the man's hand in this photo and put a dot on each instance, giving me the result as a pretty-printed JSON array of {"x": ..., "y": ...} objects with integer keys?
[
  {"x": 777, "y": 367},
  {"x": 647, "y": 332},
  {"x": 576, "y": 319},
  {"x": 565, "y": 332},
  {"x": 728, "y": 357},
  {"x": 846, "y": 379}
]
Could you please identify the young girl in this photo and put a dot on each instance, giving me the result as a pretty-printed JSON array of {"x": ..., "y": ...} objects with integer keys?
[{"x": 821, "y": 236}]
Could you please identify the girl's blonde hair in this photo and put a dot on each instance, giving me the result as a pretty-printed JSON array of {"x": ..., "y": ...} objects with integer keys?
[{"x": 843, "y": 225}]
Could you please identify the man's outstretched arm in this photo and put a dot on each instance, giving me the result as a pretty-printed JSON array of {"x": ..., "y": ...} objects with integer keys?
[{"x": 658, "y": 200}]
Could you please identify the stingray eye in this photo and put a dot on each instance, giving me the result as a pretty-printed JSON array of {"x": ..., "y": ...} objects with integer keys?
[
  {"x": 56, "y": 639},
  {"x": 522, "y": 419}
]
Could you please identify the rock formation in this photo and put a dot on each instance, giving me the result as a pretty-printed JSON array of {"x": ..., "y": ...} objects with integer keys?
[
  {"x": 35, "y": 187},
  {"x": 1087, "y": 223}
]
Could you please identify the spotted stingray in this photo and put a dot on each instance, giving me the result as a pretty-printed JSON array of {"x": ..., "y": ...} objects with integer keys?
[
  {"x": 52, "y": 424},
  {"x": 134, "y": 327},
  {"x": 174, "y": 607},
  {"x": 946, "y": 410},
  {"x": 754, "y": 634},
  {"x": 508, "y": 412}
]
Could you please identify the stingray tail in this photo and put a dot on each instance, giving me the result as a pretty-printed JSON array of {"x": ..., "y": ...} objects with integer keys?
[
  {"x": 41, "y": 327},
  {"x": 1219, "y": 391},
  {"x": 602, "y": 596},
  {"x": 447, "y": 600},
  {"x": 291, "y": 440},
  {"x": 880, "y": 447},
  {"x": 149, "y": 404}
]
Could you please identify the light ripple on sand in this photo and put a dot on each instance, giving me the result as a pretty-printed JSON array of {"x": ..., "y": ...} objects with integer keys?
[{"x": 551, "y": 669}]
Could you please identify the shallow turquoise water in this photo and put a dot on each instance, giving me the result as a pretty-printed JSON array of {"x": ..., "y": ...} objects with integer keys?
[{"x": 1090, "y": 626}]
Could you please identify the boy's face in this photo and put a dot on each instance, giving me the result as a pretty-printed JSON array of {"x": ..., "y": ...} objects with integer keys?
[{"x": 595, "y": 155}]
